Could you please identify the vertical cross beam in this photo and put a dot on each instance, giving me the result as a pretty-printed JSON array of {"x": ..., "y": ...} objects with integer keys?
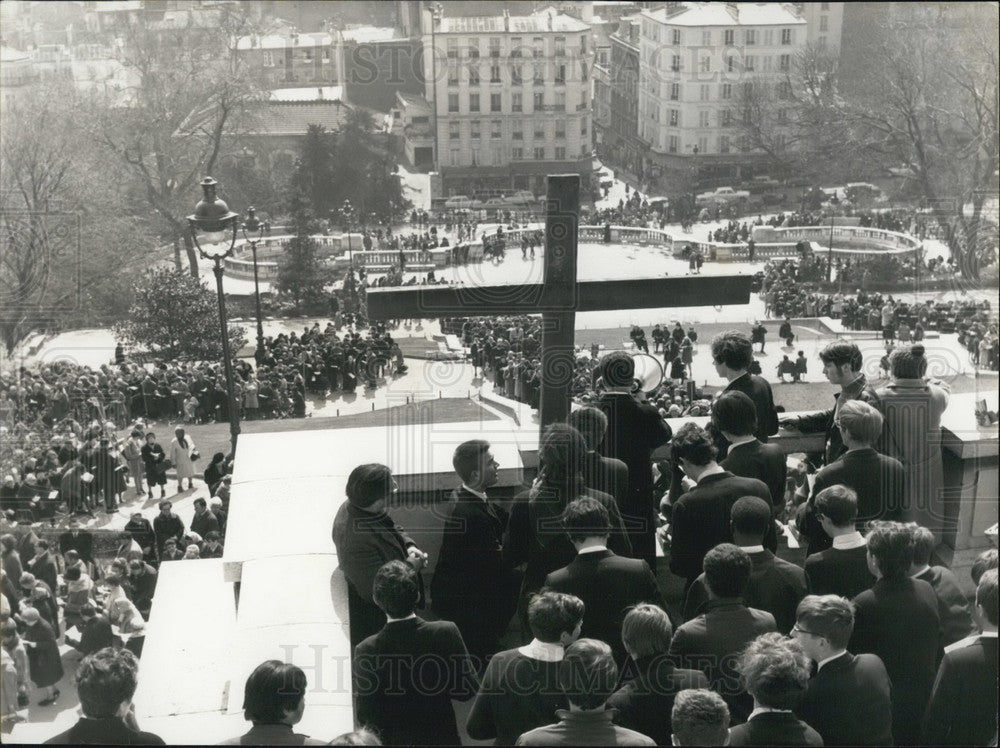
[{"x": 559, "y": 313}]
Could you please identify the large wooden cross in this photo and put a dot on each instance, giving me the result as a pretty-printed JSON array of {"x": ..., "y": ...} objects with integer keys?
[{"x": 559, "y": 297}]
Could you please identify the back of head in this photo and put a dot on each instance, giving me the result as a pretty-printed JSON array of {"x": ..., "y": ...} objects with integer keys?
[
  {"x": 986, "y": 596},
  {"x": 361, "y": 736},
  {"x": 751, "y": 516},
  {"x": 273, "y": 688},
  {"x": 617, "y": 369},
  {"x": 395, "y": 589},
  {"x": 592, "y": 423},
  {"x": 699, "y": 717},
  {"x": 842, "y": 353},
  {"x": 839, "y": 504},
  {"x": 775, "y": 671},
  {"x": 586, "y": 518},
  {"x": 588, "y": 673},
  {"x": 908, "y": 362},
  {"x": 860, "y": 421},
  {"x": 367, "y": 484},
  {"x": 891, "y": 545},
  {"x": 550, "y": 614},
  {"x": 984, "y": 562},
  {"x": 646, "y": 630},
  {"x": 735, "y": 413},
  {"x": 727, "y": 570},
  {"x": 105, "y": 680},
  {"x": 693, "y": 443},
  {"x": 829, "y": 616},
  {"x": 923, "y": 544},
  {"x": 561, "y": 454},
  {"x": 468, "y": 458},
  {"x": 733, "y": 349}
]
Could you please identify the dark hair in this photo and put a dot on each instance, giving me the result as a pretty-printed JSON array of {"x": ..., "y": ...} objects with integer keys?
[
  {"x": 72, "y": 574},
  {"x": 735, "y": 413},
  {"x": 908, "y": 362},
  {"x": 468, "y": 457},
  {"x": 647, "y": 630},
  {"x": 591, "y": 422},
  {"x": 166, "y": 502},
  {"x": 87, "y": 610},
  {"x": 775, "y": 671},
  {"x": 733, "y": 349},
  {"x": 588, "y": 673},
  {"x": 986, "y": 595},
  {"x": 586, "y": 518},
  {"x": 692, "y": 443},
  {"x": 552, "y": 613},
  {"x": 984, "y": 562},
  {"x": 43, "y": 544},
  {"x": 923, "y": 543},
  {"x": 561, "y": 454},
  {"x": 727, "y": 570},
  {"x": 271, "y": 690},
  {"x": 751, "y": 515},
  {"x": 829, "y": 616},
  {"x": 368, "y": 483},
  {"x": 839, "y": 503},
  {"x": 617, "y": 369},
  {"x": 218, "y": 457},
  {"x": 891, "y": 545},
  {"x": 201, "y": 502},
  {"x": 700, "y": 717},
  {"x": 395, "y": 589},
  {"x": 842, "y": 353},
  {"x": 104, "y": 680},
  {"x": 150, "y": 434}
]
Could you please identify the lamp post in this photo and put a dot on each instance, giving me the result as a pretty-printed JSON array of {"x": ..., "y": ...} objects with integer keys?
[
  {"x": 829, "y": 256},
  {"x": 348, "y": 213},
  {"x": 253, "y": 232},
  {"x": 213, "y": 229}
]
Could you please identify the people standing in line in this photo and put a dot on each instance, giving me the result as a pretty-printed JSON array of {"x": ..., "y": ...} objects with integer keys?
[{"x": 183, "y": 454}]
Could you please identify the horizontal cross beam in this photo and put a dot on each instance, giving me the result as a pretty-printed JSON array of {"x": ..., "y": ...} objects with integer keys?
[{"x": 586, "y": 296}]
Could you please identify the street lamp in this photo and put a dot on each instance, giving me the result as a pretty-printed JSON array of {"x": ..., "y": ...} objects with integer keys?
[
  {"x": 348, "y": 213},
  {"x": 213, "y": 230},
  {"x": 253, "y": 232}
]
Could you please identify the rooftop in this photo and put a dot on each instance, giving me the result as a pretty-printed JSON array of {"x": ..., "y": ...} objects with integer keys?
[
  {"x": 294, "y": 118},
  {"x": 9, "y": 54},
  {"x": 727, "y": 14},
  {"x": 369, "y": 34},
  {"x": 314, "y": 93},
  {"x": 283, "y": 41},
  {"x": 518, "y": 24}
]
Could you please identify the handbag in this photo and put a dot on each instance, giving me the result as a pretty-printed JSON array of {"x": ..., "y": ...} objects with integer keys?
[
  {"x": 195, "y": 455},
  {"x": 165, "y": 465}
]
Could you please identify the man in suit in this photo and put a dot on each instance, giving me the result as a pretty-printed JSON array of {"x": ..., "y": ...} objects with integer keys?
[
  {"x": 203, "y": 521},
  {"x": 651, "y": 682},
  {"x": 520, "y": 689},
  {"x": 471, "y": 584},
  {"x": 607, "y": 584},
  {"x": 842, "y": 363},
  {"x": 898, "y": 620},
  {"x": 956, "y": 618},
  {"x": 735, "y": 417},
  {"x": 841, "y": 569},
  {"x": 394, "y": 697},
  {"x": 776, "y": 585},
  {"x": 963, "y": 706},
  {"x": 142, "y": 577},
  {"x": 43, "y": 566},
  {"x": 634, "y": 430},
  {"x": 713, "y": 640},
  {"x": 775, "y": 671},
  {"x": 77, "y": 540},
  {"x": 700, "y": 518},
  {"x": 877, "y": 479},
  {"x": 587, "y": 675},
  {"x": 732, "y": 353},
  {"x": 95, "y": 633},
  {"x": 599, "y": 473},
  {"x": 849, "y": 699},
  {"x": 166, "y": 524}
]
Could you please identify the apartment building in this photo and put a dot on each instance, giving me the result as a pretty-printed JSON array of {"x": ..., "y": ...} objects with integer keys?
[
  {"x": 824, "y": 25},
  {"x": 693, "y": 60}
]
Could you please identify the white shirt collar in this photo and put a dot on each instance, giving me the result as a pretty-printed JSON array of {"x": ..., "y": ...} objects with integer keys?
[
  {"x": 544, "y": 651},
  {"x": 922, "y": 569},
  {"x": 715, "y": 470},
  {"x": 849, "y": 541},
  {"x": 474, "y": 492},
  {"x": 393, "y": 620},
  {"x": 831, "y": 658},
  {"x": 592, "y": 549},
  {"x": 766, "y": 710},
  {"x": 749, "y": 438},
  {"x": 752, "y": 548}
]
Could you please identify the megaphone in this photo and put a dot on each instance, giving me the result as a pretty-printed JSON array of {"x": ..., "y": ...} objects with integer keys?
[{"x": 649, "y": 373}]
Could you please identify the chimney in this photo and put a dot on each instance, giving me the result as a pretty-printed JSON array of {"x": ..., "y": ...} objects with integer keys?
[{"x": 506, "y": 20}]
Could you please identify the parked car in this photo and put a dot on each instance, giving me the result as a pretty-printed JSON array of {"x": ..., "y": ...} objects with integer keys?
[
  {"x": 458, "y": 202},
  {"x": 722, "y": 195}
]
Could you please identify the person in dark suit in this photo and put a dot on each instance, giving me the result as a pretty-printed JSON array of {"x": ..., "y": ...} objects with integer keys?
[
  {"x": 700, "y": 518},
  {"x": 878, "y": 480},
  {"x": 775, "y": 671},
  {"x": 735, "y": 417},
  {"x": 842, "y": 363},
  {"x": 105, "y": 683},
  {"x": 634, "y": 430},
  {"x": 963, "y": 706},
  {"x": 95, "y": 633},
  {"x": 471, "y": 584},
  {"x": 849, "y": 699},
  {"x": 166, "y": 524},
  {"x": 77, "y": 540},
  {"x": 650, "y": 681},
  {"x": 732, "y": 353},
  {"x": 956, "y": 617},
  {"x": 274, "y": 701},
  {"x": 520, "y": 689},
  {"x": 600, "y": 473},
  {"x": 713, "y": 640},
  {"x": 843, "y": 568},
  {"x": 898, "y": 620},
  {"x": 776, "y": 585},
  {"x": 608, "y": 584},
  {"x": 367, "y": 537},
  {"x": 393, "y": 696},
  {"x": 43, "y": 566}
]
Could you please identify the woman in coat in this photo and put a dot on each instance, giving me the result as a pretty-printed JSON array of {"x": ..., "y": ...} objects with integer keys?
[
  {"x": 132, "y": 453},
  {"x": 181, "y": 451},
  {"x": 154, "y": 458},
  {"x": 44, "y": 663},
  {"x": 912, "y": 406},
  {"x": 214, "y": 472}
]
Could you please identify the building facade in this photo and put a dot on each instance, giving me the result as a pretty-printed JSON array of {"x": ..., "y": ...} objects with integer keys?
[
  {"x": 824, "y": 26},
  {"x": 694, "y": 60}
]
